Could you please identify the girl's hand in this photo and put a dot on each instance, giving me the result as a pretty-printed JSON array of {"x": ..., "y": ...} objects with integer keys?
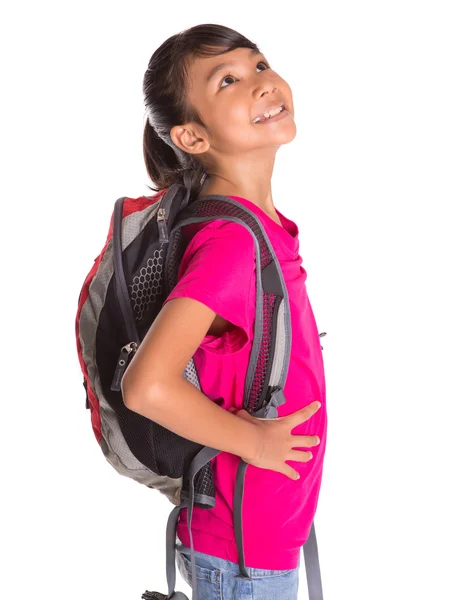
[{"x": 276, "y": 441}]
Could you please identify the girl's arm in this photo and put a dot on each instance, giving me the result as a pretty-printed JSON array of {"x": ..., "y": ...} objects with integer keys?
[{"x": 154, "y": 386}]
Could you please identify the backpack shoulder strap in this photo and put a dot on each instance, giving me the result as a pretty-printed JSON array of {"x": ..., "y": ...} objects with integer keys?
[{"x": 270, "y": 355}]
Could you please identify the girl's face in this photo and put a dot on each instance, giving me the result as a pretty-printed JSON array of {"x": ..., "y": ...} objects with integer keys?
[{"x": 229, "y": 98}]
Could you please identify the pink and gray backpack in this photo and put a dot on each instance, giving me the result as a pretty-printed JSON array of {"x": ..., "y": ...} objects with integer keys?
[{"x": 119, "y": 300}]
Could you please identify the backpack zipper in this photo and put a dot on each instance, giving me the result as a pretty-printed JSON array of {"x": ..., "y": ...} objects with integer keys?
[
  {"x": 129, "y": 349},
  {"x": 124, "y": 302},
  {"x": 124, "y": 356},
  {"x": 162, "y": 227}
]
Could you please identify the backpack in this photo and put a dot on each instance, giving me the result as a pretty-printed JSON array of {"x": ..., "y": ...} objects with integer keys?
[{"x": 119, "y": 300}]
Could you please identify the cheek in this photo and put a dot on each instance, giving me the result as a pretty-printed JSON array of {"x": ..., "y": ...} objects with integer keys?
[
  {"x": 286, "y": 90},
  {"x": 237, "y": 113},
  {"x": 231, "y": 122}
]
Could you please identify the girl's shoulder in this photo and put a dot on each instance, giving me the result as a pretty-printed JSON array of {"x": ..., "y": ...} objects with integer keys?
[{"x": 222, "y": 231}]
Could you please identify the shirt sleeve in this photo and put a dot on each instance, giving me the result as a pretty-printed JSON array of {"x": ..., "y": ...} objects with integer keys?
[{"x": 217, "y": 269}]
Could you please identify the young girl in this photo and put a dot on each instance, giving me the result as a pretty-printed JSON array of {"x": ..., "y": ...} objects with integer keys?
[{"x": 226, "y": 123}]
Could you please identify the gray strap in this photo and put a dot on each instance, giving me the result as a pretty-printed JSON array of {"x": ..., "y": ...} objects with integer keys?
[
  {"x": 170, "y": 554},
  {"x": 201, "y": 459},
  {"x": 310, "y": 549},
  {"x": 237, "y": 516},
  {"x": 312, "y": 566}
]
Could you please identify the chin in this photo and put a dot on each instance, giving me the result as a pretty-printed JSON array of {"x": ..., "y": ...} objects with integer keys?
[
  {"x": 291, "y": 137},
  {"x": 285, "y": 136}
]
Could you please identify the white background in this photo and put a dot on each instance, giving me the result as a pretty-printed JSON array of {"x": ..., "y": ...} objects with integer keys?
[{"x": 379, "y": 179}]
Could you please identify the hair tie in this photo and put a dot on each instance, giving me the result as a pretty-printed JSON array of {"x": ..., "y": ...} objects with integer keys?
[{"x": 187, "y": 181}]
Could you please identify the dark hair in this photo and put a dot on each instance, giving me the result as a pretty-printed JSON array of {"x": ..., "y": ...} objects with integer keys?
[{"x": 165, "y": 88}]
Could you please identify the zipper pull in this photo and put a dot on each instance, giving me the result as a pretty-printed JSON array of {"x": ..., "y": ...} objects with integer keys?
[
  {"x": 162, "y": 226},
  {"x": 124, "y": 355},
  {"x": 87, "y": 397},
  {"x": 322, "y": 335}
]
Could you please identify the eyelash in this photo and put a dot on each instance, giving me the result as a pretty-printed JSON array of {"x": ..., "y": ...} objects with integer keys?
[{"x": 261, "y": 62}]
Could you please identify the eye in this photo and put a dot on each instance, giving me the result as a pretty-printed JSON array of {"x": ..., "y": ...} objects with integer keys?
[{"x": 261, "y": 62}]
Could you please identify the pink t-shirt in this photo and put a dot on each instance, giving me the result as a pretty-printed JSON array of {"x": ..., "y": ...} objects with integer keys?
[{"x": 218, "y": 269}]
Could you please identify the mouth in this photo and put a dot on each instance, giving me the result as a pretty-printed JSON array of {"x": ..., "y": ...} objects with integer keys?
[{"x": 272, "y": 114}]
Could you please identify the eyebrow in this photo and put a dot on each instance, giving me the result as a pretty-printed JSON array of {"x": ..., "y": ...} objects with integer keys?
[{"x": 221, "y": 66}]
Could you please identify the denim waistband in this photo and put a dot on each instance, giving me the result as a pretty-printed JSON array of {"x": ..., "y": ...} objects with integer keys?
[{"x": 214, "y": 562}]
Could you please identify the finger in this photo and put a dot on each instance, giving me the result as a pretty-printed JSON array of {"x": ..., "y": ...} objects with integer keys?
[
  {"x": 308, "y": 440},
  {"x": 300, "y": 455},
  {"x": 307, "y": 411},
  {"x": 301, "y": 415},
  {"x": 292, "y": 473}
]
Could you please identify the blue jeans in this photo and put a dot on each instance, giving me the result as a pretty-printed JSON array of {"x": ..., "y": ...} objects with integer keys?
[{"x": 219, "y": 579}]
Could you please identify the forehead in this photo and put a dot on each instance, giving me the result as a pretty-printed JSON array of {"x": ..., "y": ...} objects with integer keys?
[{"x": 203, "y": 69}]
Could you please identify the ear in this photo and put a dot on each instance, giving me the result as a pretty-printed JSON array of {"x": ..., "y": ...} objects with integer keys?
[{"x": 189, "y": 138}]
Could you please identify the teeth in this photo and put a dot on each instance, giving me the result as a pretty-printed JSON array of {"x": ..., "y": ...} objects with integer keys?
[{"x": 269, "y": 114}]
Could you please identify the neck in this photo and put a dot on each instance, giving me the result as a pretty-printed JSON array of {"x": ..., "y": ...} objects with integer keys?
[{"x": 249, "y": 179}]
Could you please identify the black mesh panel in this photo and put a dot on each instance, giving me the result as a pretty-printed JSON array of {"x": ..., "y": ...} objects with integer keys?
[{"x": 159, "y": 449}]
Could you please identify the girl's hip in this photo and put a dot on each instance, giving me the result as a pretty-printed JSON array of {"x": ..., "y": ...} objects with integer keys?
[{"x": 219, "y": 579}]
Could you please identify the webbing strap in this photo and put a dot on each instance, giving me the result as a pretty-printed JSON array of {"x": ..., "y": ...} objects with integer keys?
[
  {"x": 201, "y": 459},
  {"x": 310, "y": 549}
]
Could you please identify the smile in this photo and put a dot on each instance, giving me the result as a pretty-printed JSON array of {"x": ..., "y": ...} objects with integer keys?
[{"x": 272, "y": 117}]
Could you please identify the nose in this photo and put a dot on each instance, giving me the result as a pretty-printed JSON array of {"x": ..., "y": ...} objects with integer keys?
[{"x": 264, "y": 87}]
